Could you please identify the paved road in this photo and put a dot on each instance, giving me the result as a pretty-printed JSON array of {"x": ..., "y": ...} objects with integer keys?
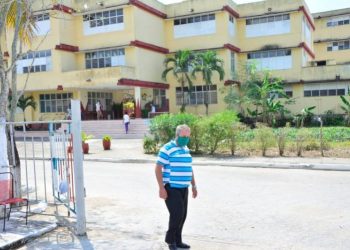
[{"x": 237, "y": 208}]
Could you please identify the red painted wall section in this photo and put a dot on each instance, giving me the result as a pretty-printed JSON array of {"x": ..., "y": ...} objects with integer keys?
[
  {"x": 147, "y": 8},
  {"x": 231, "y": 11}
]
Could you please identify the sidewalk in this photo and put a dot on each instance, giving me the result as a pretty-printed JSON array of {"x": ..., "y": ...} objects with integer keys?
[
  {"x": 18, "y": 233},
  {"x": 131, "y": 151}
]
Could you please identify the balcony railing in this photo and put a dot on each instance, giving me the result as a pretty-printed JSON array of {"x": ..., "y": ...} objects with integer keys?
[{"x": 329, "y": 72}]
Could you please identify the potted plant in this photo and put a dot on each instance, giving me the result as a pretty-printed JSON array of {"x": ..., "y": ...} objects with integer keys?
[
  {"x": 106, "y": 142},
  {"x": 85, "y": 145}
]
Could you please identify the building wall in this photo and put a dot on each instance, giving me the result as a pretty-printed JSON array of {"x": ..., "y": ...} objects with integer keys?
[{"x": 144, "y": 64}]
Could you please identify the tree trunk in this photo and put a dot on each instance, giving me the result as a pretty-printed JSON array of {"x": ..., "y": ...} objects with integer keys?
[
  {"x": 206, "y": 103},
  {"x": 14, "y": 160},
  {"x": 183, "y": 106}
]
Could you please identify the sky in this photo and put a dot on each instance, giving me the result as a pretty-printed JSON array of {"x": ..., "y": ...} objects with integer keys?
[{"x": 314, "y": 5}]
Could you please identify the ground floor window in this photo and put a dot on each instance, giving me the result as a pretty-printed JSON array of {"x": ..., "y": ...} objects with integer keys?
[
  {"x": 198, "y": 95},
  {"x": 311, "y": 90},
  {"x": 159, "y": 97},
  {"x": 50, "y": 103},
  {"x": 105, "y": 98}
]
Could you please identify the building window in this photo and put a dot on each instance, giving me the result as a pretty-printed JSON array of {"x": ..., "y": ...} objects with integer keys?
[
  {"x": 104, "y": 18},
  {"x": 306, "y": 31},
  {"x": 104, "y": 21},
  {"x": 271, "y": 59},
  {"x": 199, "y": 95},
  {"x": 196, "y": 19},
  {"x": 42, "y": 17},
  {"x": 159, "y": 97},
  {"x": 289, "y": 93},
  {"x": 267, "y": 19},
  {"x": 195, "y": 26},
  {"x": 105, "y": 98},
  {"x": 339, "y": 21},
  {"x": 105, "y": 58},
  {"x": 268, "y": 25},
  {"x": 335, "y": 46},
  {"x": 231, "y": 26},
  {"x": 314, "y": 91},
  {"x": 37, "y": 61},
  {"x": 233, "y": 65},
  {"x": 42, "y": 22},
  {"x": 51, "y": 103}
]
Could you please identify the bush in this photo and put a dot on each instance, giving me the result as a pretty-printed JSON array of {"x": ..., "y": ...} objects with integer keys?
[
  {"x": 149, "y": 145},
  {"x": 302, "y": 136},
  {"x": 264, "y": 138},
  {"x": 281, "y": 139},
  {"x": 332, "y": 119},
  {"x": 235, "y": 136},
  {"x": 216, "y": 129},
  {"x": 163, "y": 126},
  {"x": 196, "y": 141}
]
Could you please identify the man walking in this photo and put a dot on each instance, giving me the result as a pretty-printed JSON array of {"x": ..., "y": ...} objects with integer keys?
[{"x": 174, "y": 174}]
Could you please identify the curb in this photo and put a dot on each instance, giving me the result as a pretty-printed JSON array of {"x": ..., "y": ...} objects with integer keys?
[
  {"x": 22, "y": 241},
  {"x": 302, "y": 166}
]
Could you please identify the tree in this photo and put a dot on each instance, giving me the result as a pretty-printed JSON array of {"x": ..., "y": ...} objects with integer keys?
[
  {"x": 207, "y": 63},
  {"x": 26, "y": 102},
  {"x": 346, "y": 108},
  {"x": 305, "y": 112},
  {"x": 17, "y": 20},
  {"x": 259, "y": 89},
  {"x": 179, "y": 66}
]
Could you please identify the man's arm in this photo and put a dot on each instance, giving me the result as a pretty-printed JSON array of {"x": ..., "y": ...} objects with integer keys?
[
  {"x": 194, "y": 187},
  {"x": 159, "y": 175}
]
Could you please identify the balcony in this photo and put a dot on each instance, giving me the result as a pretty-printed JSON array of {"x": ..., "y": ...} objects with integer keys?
[
  {"x": 326, "y": 73},
  {"x": 97, "y": 78}
]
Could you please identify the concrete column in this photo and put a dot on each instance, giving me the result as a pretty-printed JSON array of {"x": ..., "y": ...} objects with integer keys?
[{"x": 138, "y": 102}]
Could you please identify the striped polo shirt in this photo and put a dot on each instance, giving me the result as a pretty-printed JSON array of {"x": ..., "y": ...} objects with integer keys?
[{"x": 177, "y": 165}]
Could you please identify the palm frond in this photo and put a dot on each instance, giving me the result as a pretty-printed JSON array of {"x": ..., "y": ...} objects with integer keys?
[{"x": 165, "y": 72}]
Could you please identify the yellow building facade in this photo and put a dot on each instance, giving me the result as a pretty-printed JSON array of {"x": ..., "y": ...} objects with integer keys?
[{"x": 113, "y": 50}]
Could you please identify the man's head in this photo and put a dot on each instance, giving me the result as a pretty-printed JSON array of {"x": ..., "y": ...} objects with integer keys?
[{"x": 182, "y": 135}]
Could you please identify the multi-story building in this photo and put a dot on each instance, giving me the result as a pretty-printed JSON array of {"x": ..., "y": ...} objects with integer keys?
[{"x": 107, "y": 50}]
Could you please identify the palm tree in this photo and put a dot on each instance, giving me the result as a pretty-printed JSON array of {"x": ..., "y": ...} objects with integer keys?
[
  {"x": 179, "y": 66},
  {"x": 19, "y": 19},
  {"x": 25, "y": 102},
  {"x": 207, "y": 63}
]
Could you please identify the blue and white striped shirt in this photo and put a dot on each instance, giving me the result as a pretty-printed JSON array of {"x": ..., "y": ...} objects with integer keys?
[{"x": 177, "y": 165}]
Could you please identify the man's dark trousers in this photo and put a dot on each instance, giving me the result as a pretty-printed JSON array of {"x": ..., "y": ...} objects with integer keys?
[{"x": 177, "y": 207}]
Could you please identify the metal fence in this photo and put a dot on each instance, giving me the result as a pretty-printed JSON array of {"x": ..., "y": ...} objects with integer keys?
[{"x": 51, "y": 165}]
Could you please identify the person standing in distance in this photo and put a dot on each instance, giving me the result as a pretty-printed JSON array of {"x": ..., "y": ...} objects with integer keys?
[
  {"x": 98, "y": 110},
  {"x": 126, "y": 120},
  {"x": 174, "y": 174}
]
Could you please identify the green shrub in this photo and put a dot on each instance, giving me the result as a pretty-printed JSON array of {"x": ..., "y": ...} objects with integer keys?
[
  {"x": 281, "y": 139},
  {"x": 216, "y": 129},
  {"x": 235, "y": 136},
  {"x": 264, "y": 138},
  {"x": 163, "y": 127},
  {"x": 149, "y": 145},
  {"x": 302, "y": 136},
  {"x": 196, "y": 141}
]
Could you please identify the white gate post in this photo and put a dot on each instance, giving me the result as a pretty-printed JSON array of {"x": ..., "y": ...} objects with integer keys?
[{"x": 78, "y": 168}]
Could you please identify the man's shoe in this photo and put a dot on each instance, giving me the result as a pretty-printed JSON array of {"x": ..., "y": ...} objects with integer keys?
[
  {"x": 172, "y": 247},
  {"x": 183, "y": 245}
]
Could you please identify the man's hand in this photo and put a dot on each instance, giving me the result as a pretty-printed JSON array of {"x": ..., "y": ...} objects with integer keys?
[
  {"x": 162, "y": 193},
  {"x": 194, "y": 192}
]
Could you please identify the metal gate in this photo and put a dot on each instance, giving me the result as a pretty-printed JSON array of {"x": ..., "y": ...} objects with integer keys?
[{"x": 51, "y": 159}]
